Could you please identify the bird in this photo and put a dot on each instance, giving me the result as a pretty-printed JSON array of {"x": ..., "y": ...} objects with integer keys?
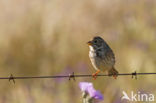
[{"x": 102, "y": 57}]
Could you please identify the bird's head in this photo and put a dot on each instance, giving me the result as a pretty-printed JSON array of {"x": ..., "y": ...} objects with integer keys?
[{"x": 96, "y": 42}]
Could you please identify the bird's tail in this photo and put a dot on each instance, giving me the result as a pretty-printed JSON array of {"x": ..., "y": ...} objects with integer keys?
[{"x": 113, "y": 72}]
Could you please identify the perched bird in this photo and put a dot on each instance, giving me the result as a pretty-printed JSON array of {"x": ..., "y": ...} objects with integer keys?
[{"x": 102, "y": 57}]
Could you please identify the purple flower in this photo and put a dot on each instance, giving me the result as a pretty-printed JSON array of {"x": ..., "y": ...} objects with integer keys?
[
  {"x": 88, "y": 87},
  {"x": 98, "y": 95}
]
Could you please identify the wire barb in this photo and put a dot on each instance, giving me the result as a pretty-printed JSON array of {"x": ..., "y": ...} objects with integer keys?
[
  {"x": 11, "y": 78},
  {"x": 72, "y": 76},
  {"x": 134, "y": 74}
]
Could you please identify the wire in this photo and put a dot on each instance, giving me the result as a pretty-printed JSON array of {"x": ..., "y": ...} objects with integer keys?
[{"x": 134, "y": 74}]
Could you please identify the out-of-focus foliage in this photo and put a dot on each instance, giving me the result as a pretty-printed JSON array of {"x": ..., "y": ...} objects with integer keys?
[{"x": 48, "y": 37}]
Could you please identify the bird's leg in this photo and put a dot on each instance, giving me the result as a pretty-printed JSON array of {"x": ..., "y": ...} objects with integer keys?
[
  {"x": 113, "y": 72},
  {"x": 115, "y": 76},
  {"x": 94, "y": 75}
]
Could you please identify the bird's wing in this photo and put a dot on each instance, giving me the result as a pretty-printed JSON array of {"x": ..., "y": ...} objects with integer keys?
[{"x": 109, "y": 57}]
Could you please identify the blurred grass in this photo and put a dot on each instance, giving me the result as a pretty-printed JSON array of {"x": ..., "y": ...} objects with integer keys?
[{"x": 48, "y": 37}]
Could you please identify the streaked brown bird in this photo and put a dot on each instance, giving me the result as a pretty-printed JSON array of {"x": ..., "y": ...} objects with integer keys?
[{"x": 102, "y": 57}]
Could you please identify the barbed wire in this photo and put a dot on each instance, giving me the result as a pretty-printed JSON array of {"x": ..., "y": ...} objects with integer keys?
[{"x": 71, "y": 76}]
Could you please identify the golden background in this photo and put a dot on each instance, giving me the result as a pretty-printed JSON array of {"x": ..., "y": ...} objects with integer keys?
[{"x": 48, "y": 37}]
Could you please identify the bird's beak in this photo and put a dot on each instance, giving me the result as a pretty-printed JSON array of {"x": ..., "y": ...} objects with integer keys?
[{"x": 89, "y": 43}]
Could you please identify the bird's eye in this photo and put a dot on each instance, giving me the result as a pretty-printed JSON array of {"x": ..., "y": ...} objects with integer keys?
[{"x": 95, "y": 41}]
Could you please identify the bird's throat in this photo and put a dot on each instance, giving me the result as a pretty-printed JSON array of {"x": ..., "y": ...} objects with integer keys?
[{"x": 91, "y": 49}]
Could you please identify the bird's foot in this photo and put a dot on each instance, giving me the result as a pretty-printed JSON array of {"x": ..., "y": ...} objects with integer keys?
[
  {"x": 113, "y": 73},
  {"x": 94, "y": 75},
  {"x": 115, "y": 76}
]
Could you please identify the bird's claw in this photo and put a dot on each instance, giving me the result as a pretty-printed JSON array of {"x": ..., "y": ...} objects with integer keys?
[
  {"x": 94, "y": 75},
  {"x": 113, "y": 73},
  {"x": 115, "y": 76}
]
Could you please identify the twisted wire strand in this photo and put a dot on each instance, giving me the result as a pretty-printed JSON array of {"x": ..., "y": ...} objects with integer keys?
[{"x": 71, "y": 76}]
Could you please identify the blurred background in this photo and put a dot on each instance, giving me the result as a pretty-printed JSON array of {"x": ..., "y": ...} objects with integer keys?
[{"x": 48, "y": 37}]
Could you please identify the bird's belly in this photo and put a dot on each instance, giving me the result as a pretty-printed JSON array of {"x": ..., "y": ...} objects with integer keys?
[{"x": 97, "y": 62}]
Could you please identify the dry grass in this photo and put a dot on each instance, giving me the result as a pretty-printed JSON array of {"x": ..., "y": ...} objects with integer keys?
[{"x": 48, "y": 37}]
